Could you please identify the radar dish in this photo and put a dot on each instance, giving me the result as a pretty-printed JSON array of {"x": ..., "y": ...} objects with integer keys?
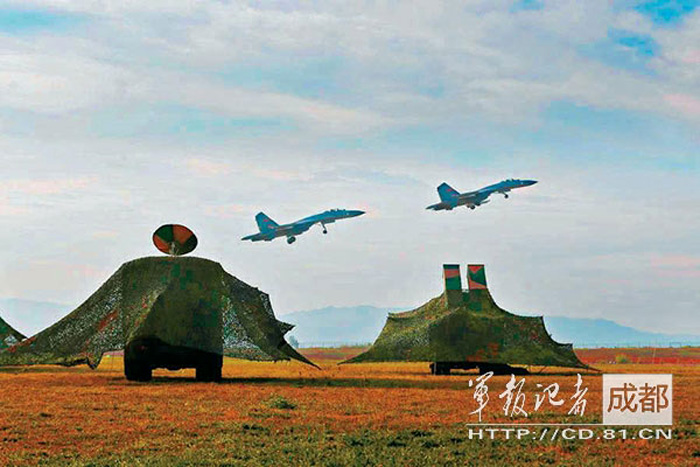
[{"x": 174, "y": 239}]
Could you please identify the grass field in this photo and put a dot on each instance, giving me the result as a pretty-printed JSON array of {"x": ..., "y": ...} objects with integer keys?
[{"x": 288, "y": 413}]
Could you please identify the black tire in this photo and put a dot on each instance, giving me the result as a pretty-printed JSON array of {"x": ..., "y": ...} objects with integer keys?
[
  {"x": 137, "y": 370},
  {"x": 209, "y": 368}
]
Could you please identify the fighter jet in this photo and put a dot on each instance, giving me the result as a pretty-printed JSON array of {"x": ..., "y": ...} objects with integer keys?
[
  {"x": 269, "y": 229},
  {"x": 451, "y": 198}
]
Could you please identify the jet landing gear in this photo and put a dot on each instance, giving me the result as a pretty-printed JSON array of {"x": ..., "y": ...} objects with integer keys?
[
  {"x": 291, "y": 240},
  {"x": 505, "y": 195},
  {"x": 325, "y": 230}
]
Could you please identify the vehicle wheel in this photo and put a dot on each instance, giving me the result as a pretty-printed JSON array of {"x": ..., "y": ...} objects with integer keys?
[
  {"x": 209, "y": 368},
  {"x": 506, "y": 196},
  {"x": 137, "y": 370},
  {"x": 291, "y": 240}
]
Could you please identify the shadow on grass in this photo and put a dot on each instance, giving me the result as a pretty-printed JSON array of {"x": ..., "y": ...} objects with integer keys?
[{"x": 447, "y": 382}]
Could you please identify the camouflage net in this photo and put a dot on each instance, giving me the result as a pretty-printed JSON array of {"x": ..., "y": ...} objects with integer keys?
[
  {"x": 475, "y": 331},
  {"x": 8, "y": 335},
  {"x": 183, "y": 301}
]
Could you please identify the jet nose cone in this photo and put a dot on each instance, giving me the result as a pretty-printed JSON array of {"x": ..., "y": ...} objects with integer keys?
[
  {"x": 356, "y": 213},
  {"x": 530, "y": 182}
]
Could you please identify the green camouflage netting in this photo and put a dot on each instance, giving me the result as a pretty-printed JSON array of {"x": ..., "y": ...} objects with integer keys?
[
  {"x": 183, "y": 301},
  {"x": 8, "y": 335},
  {"x": 476, "y": 330}
]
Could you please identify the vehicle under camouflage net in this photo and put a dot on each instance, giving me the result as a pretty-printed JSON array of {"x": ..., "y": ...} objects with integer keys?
[
  {"x": 8, "y": 335},
  {"x": 466, "y": 329},
  {"x": 164, "y": 312}
]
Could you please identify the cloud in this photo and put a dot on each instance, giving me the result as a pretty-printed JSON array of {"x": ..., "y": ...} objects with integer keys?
[
  {"x": 679, "y": 67},
  {"x": 391, "y": 66},
  {"x": 55, "y": 277},
  {"x": 105, "y": 234},
  {"x": 677, "y": 262},
  {"x": 228, "y": 211},
  {"x": 56, "y": 82},
  {"x": 691, "y": 57},
  {"x": 204, "y": 167},
  {"x": 212, "y": 168},
  {"x": 46, "y": 186},
  {"x": 677, "y": 268},
  {"x": 281, "y": 175},
  {"x": 114, "y": 7},
  {"x": 686, "y": 104},
  {"x": 205, "y": 112},
  {"x": 8, "y": 209},
  {"x": 235, "y": 101}
]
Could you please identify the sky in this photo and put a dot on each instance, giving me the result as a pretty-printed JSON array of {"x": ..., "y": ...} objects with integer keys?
[{"x": 119, "y": 116}]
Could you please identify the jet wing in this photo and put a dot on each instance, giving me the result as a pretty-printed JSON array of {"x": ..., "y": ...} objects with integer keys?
[
  {"x": 438, "y": 206},
  {"x": 294, "y": 228},
  {"x": 300, "y": 227},
  {"x": 258, "y": 237},
  {"x": 470, "y": 196},
  {"x": 475, "y": 198}
]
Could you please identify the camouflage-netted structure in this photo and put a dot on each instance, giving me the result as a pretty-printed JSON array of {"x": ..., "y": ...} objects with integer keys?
[
  {"x": 467, "y": 330},
  {"x": 8, "y": 335},
  {"x": 185, "y": 302}
]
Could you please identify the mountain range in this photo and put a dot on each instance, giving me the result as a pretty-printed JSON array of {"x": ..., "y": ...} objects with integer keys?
[
  {"x": 335, "y": 326},
  {"x": 332, "y": 326}
]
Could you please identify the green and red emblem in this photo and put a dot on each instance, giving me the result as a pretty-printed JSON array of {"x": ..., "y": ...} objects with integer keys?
[
  {"x": 174, "y": 239},
  {"x": 451, "y": 275},
  {"x": 476, "y": 276}
]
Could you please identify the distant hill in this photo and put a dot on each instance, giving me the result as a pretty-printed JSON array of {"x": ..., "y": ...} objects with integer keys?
[
  {"x": 586, "y": 332},
  {"x": 337, "y": 325},
  {"x": 332, "y": 326},
  {"x": 29, "y": 316}
]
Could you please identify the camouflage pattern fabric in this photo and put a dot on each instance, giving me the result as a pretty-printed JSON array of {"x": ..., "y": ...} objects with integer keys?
[
  {"x": 183, "y": 301},
  {"x": 453, "y": 284},
  {"x": 8, "y": 335},
  {"x": 476, "y": 277},
  {"x": 476, "y": 330},
  {"x": 450, "y": 273}
]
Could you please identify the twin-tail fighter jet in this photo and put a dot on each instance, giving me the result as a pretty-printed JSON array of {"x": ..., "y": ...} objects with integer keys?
[
  {"x": 269, "y": 229},
  {"x": 451, "y": 198}
]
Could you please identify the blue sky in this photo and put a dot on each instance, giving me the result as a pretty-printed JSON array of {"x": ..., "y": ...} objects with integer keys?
[
  {"x": 117, "y": 117},
  {"x": 19, "y": 21},
  {"x": 667, "y": 12}
]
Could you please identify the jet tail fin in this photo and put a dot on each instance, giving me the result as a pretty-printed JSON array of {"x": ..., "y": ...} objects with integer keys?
[
  {"x": 447, "y": 193},
  {"x": 265, "y": 224}
]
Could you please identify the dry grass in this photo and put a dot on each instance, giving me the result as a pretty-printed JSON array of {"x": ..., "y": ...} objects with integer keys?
[{"x": 287, "y": 410}]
